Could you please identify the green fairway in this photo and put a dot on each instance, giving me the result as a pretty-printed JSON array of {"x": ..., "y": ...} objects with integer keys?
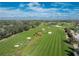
[
  {"x": 48, "y": 45},
  {"x": 41, "y": 44}
]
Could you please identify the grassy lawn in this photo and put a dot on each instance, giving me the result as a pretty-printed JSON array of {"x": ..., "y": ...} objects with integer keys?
[{"x": 40, "y": 45}]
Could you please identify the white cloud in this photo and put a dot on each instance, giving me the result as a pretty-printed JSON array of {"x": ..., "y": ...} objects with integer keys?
[
  {"x": 33, "y": 4},
  {"x": 39, "y": 12},
  {"x": 18, "y": 13},
  {"x": 11, "y": 13},
  {"x": 40, "y": 9},
  {"x": 45, "y": 15},
  {"x": 61, "y": 4}
]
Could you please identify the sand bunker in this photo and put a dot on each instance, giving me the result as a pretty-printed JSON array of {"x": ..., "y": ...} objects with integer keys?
[
  {"x": 49, "y": 32},
  {"x": 16, "y": 46},
  {"x": 58, "y": 26},
  {"x": 28, "y": 38}
]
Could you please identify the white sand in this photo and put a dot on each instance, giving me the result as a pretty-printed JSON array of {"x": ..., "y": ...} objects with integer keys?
[
  {"x": 58, "y": 26},
  {"x": 28, "y": 38},
  {"x": 49, "y": 32},
  {"x": 16, "y": 46}
]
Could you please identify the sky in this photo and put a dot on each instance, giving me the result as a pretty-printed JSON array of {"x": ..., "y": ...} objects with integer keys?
[{"x": 40, "y": 10}]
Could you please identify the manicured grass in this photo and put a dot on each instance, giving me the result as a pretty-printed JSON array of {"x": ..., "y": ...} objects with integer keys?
[
  {"x": 49, "y": 45},
  {"x": 40, "y": 45},
  {"x": 7, "y": 44}
]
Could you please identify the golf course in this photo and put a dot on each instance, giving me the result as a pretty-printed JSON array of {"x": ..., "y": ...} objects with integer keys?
[
  {"x": 39, "y": 28},
  {"x": 43, "y": 40}
]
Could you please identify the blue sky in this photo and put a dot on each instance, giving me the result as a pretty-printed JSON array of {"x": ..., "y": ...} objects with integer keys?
[{"x": 40, "y": 10}]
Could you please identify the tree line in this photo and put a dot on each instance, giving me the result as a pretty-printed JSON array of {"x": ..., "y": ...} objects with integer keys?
[{"x": 11, "y": 27}]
